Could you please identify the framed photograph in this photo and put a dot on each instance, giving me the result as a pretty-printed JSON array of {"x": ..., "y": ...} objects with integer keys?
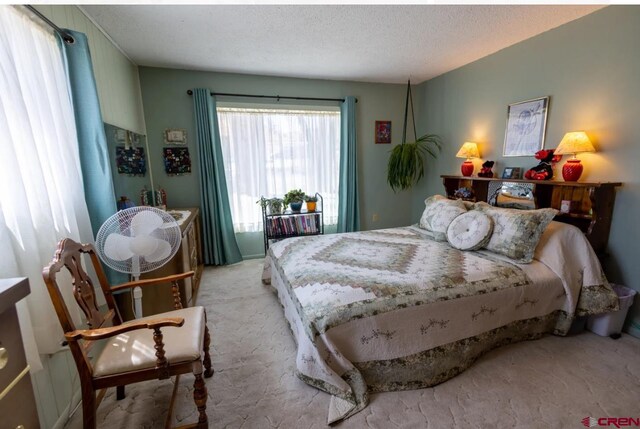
[
  {"x": 526, "y": 124},
  {"x": 383, "y": 132},
  {"x": 176, "y": 161},
  {"x": 131, "y": 161},
  {"x": 512, "y": 173},
  {"x": 175, "y": 136}
]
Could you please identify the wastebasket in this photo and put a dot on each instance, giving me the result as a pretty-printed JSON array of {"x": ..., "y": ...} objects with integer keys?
[{"x": 611, "y": 323}]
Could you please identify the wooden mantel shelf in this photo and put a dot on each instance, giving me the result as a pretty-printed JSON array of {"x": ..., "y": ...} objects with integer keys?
[{"x": 592, "y": 212}]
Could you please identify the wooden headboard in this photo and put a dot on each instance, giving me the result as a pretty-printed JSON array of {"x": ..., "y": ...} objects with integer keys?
[{"x": 591, "y": 208}]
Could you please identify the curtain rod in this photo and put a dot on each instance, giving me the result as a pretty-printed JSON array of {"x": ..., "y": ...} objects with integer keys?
[
  {"x": 278, "y": 97},
  {"x": 65, "y": 36}
]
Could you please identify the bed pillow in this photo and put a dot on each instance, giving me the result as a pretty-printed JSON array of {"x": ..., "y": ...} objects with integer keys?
[
  {"x": 438, "y": 213},
  {"x": 516, "y": 233},
  {"x": 470, "y": 231}
]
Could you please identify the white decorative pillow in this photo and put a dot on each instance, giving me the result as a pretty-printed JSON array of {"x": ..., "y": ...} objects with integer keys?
[
  {"x": 516, "y": 232},
  {"x": 470, "y": 231},
  {"x": 438, "y": 213}
]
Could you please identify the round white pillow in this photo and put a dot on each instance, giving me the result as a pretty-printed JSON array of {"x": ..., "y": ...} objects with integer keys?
[{"x": 470, "y": 231}]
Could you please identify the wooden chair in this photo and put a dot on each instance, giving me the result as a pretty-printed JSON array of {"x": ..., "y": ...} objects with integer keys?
[{"x": 156, "y": 347}]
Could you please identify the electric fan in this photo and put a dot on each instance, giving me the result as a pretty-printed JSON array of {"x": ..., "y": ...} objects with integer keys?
[{"x": 137, "y": 240}]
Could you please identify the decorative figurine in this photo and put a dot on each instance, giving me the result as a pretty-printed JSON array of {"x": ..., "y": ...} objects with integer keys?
[
  {"x": 485, "y": 171},
  {"x": 544, "y": 170}
]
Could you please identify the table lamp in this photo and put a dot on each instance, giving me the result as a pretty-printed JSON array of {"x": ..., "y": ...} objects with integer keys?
[
  {"x": 468, "y": 150},
  {"x": 573, "y": 143}
]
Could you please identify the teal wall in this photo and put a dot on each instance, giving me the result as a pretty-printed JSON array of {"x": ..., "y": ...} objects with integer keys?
[
  {"x": 167, "y": 105},
  {"x": 591, "y": 69}
]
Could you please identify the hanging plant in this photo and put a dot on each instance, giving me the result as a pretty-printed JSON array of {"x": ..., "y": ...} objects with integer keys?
[{"x": 406, "y": 163}]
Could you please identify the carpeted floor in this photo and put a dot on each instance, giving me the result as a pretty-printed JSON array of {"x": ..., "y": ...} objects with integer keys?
[{"x": 549, "y": 383}]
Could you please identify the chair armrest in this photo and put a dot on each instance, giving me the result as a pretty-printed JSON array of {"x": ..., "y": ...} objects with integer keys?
[
  {"x": 101, "y": 333},
  {"x": 149, "y": 282}
]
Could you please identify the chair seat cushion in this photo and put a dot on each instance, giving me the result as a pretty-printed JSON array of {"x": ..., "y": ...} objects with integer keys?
[{"x": 135, "y": 350}]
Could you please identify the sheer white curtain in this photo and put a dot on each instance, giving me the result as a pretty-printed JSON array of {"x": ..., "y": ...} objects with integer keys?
[
  {"x": 268, "y": 152},
  {"x": 41, "y": 193}
]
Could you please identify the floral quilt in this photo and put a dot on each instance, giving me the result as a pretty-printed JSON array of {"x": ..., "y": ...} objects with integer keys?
[{"x": 394, "y": 309}]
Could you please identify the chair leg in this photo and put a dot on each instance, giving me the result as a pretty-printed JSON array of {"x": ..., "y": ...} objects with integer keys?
[
  {"x": 208, "y": 371},
  {"x": 200, "y": 396},
  {"x": 120, "y": 395},
  {"x": 88, "y": 407}
]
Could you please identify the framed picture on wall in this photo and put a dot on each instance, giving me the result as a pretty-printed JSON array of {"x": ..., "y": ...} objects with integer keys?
[
  {"x": 383, "y": 132},
  {"x": 526, "y": 126},
  {"x": 175, "y": 136},
  {"x": 176, "y": 161}
]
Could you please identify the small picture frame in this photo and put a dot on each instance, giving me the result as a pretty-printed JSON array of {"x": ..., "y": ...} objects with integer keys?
[
  {"x": 175, "y": 136},
  {"x": 120, "y": 135},
  {"x": 526, "y": 127},
  {"x": 512, "y": 173},
  {"x": 383, "y": 132}
]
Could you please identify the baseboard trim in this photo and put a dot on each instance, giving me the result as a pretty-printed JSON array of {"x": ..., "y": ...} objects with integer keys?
[
  {"x": 256, "y": 256},
  {"x": 65, "y": 415}
]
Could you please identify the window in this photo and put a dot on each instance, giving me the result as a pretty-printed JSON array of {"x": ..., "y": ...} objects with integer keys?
[
  {"x": 268, "y": 152},
  {"x": 42, "y": 196}
]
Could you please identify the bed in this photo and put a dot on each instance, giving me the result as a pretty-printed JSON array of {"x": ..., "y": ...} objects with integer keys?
[{"x": 396, "y": 309}]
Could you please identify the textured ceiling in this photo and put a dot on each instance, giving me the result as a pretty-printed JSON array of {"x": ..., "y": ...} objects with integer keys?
[{"x": 362, "y": 43}]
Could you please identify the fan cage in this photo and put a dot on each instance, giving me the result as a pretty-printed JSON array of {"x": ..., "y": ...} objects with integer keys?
[{"x": 120, "y": 223}]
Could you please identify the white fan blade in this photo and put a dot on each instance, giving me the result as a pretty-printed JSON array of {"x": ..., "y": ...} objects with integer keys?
[
  {"x": 163, "y": 250},
  {"x": 143, "y": 245},
  {"x": 144, "y": 222},
  {"x": 116, "y": 247}
]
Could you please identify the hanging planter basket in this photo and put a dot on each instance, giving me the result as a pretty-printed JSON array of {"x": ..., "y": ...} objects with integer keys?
[{"x": 407, "y": 160}]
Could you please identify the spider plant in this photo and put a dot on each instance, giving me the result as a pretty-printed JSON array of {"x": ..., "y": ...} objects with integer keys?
[{"x": 406, "y": 162}]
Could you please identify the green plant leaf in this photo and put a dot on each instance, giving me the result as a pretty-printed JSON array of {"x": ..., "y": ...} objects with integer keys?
[{"x": 406, "y": 161}]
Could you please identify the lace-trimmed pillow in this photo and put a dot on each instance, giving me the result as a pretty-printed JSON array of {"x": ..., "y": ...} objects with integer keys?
[
  {"x": 516, "y": 232},
  {"x": 470, "y": 231},
  {"x": 438, "y": 213}
]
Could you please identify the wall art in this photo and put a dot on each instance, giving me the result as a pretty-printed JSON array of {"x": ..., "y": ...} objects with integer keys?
[
  {"x": 526, "y": 124},
  {"x": 177, "y": 161}
]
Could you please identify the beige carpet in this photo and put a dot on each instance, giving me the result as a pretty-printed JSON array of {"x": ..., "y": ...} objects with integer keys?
[{"x": 549, "y": 383}]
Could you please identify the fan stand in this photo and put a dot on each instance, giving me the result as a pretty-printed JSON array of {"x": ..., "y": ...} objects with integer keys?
[{"x": 137, "y": 291}]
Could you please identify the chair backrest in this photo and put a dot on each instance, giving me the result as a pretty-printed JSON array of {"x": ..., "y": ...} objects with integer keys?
[{"x": 69, "y": 255}]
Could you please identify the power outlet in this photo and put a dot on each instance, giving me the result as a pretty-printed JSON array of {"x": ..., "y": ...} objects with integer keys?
[{"x": 375, "y": 217}]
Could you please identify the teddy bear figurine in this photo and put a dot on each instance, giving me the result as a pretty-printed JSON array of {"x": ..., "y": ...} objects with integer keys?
[
  {"x": 544, "y": 170},
  {"x": 486, "y": 169}
]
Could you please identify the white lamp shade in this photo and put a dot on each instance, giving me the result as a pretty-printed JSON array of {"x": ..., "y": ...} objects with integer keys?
[
  {"x": 468, "y": 150},
  {"x": 574, "y": 142}
]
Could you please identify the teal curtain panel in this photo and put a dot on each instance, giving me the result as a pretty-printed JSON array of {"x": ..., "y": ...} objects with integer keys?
[
  {"x": 92, "y": 141},
  {"x": 219, "y": 240},
  {"x": 348, "y": 210}
]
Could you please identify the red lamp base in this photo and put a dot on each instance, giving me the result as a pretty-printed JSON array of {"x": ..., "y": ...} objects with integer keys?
[
  {"x": 467, "y": 168},
  {"x": 571, "y": 170}
]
